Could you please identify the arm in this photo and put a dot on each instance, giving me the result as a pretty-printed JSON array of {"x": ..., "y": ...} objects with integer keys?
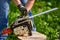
[
  {"x": 28, "y": 6},
  {"x": 20, "y": 7}
]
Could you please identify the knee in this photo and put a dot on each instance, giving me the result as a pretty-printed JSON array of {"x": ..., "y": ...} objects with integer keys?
[{"x": 30, "y": 13}]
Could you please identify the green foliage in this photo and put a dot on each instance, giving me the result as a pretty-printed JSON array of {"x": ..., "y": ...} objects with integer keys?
[{"x": 47, "y": 24}]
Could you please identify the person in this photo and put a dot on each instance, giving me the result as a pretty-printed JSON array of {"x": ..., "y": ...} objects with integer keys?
[{"x": 23, "y": 6}]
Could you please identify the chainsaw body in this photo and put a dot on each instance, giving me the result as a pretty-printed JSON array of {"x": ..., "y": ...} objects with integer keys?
[{"x": 22, "y": 26}]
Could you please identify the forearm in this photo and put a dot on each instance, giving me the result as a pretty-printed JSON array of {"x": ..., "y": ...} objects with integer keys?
[
  {"x": 17, "y": 2},
  {"x": 29, "y": 4}
]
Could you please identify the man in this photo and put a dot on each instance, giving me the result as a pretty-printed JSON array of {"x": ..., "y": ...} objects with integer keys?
[{"x": 23, "y": 5}]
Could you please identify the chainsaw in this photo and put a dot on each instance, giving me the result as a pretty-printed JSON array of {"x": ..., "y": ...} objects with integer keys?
[
  {"x": 20, "y": 27},
  {"x": 23, "y": 25}
]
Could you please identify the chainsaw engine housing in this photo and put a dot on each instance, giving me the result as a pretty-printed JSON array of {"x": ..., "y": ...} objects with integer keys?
[{"x": 22, "y": 26}]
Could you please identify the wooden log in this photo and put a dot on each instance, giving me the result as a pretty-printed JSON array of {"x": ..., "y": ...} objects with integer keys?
[{"x": 35, "y": 36}]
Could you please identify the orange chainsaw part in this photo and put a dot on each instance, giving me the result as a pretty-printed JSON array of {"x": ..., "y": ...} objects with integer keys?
[{"x": 6, "y": 31}]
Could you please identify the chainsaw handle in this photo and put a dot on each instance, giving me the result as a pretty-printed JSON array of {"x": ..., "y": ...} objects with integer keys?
[{"x": 6, "y": 31}]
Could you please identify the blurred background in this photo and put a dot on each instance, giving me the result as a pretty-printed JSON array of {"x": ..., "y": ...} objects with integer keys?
[{"x": 48, "y": 24}]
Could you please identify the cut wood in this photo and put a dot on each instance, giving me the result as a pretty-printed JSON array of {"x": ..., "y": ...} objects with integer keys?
[{"x": 35, "y": 36}]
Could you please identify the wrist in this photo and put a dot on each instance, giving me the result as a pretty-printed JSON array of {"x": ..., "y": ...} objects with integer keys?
[{"x": 27, "y": 9}]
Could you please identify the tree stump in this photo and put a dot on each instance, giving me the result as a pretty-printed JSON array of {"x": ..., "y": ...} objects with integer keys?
[{"x": 35, "y": 36}]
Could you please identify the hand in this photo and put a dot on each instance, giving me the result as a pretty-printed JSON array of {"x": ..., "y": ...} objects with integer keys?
[{"x": 22, "y": 9}]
